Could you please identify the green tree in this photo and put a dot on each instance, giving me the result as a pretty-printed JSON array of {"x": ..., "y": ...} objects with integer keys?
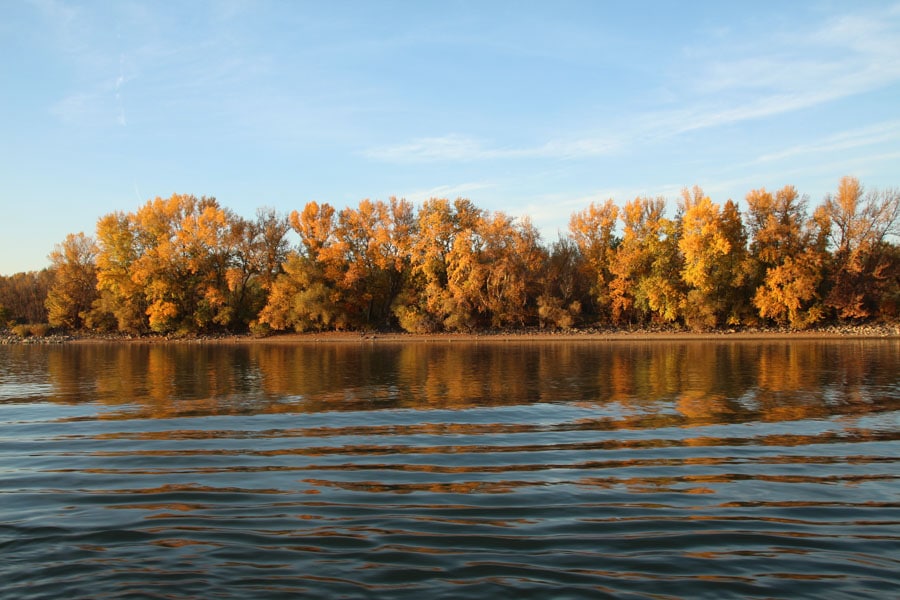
[{"x": 662, "y": 290}]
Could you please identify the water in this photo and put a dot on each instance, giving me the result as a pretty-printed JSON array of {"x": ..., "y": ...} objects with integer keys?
[{"x": 545, "y": 470}]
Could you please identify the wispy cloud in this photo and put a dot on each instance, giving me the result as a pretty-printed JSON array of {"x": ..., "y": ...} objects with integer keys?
[
  {"x": 731, "y": 82},
  {"x": 120, "y": 81},
  {"x": 789, "y": 70},
  {"x": 97, "y": 72},
  {"x": 460, "y": 148},
  {"x": 871, "y": 135},
  {"x": 96, "y": 106},
  {"x": 450, "y": 147},
  {"x": 721, "y": 83},
  {"x": 449, "y": 191}
]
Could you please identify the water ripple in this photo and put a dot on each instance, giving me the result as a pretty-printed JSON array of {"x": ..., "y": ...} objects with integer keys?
[
  {"x": 460, "y": 508},
  {"x": 543, "y": 499}
]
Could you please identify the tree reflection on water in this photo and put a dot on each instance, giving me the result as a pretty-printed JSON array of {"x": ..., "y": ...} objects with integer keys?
[{"x": 649, "y": 384}]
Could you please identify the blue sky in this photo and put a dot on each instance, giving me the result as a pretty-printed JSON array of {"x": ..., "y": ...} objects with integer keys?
[{"x": 533, "y": 108}]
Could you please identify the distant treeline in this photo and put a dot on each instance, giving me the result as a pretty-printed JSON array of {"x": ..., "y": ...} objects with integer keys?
[{"x": 188, "y": 265}]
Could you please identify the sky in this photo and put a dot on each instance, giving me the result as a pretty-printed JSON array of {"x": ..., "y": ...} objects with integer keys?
[{"x": 532, "y": 108}]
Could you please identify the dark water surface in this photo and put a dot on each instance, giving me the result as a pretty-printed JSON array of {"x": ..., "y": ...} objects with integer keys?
[{"x": 447, "y": 470}]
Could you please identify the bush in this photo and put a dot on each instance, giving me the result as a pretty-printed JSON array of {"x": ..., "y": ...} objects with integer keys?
[
  {"x": 25, "y": 330},
  {"x": 413, "y": 320},
  {"x": 40, "y": 329},
  {"x": 260, "y": 330}
]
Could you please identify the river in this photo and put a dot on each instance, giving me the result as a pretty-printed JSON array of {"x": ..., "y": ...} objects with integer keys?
[{"x": 451, "y": 470}]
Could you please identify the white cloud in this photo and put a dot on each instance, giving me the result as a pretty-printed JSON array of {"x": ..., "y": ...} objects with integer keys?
[
  {"x": 451, "y": 192},
  {"x": 790, "y": 70},
  {"x": 726, "y": 83},
  {"x": 459, "y": 148},
  {"x": 95, "y": 106},
  {"x": 709, "y": 114},
  {"x": 854, "y": 138},
  {"x": 446, "y": 148}
]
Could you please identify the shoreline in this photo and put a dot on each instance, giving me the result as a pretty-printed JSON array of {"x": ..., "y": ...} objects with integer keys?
[{"x": 837, "y": 332}]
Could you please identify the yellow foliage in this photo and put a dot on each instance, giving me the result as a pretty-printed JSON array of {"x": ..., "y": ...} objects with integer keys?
[{"x": 186, "y": 263}]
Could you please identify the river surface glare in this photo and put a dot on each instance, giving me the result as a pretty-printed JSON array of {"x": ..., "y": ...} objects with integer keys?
[{"x": 451, "y": 470}]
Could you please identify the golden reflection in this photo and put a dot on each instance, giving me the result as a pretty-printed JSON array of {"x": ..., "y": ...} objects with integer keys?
[
  {"x": 649, "y": 384},
  {"x": 701, "y": 406}
]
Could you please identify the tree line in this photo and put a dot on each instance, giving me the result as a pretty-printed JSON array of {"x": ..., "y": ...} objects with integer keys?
[{"x": 189, "y": 265}]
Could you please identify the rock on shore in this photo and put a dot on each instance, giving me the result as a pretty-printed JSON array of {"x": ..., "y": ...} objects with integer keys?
[{"x": 870, "y": 330}]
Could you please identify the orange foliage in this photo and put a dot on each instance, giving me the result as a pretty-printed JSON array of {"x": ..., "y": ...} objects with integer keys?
[{"x": 187, "y": 264}]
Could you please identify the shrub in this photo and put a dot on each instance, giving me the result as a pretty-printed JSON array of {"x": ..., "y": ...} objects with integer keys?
[
  {"x": 31, "y": 329},
  {"x": 260, "y": 330},
  {"x": 40, "y": 329}
]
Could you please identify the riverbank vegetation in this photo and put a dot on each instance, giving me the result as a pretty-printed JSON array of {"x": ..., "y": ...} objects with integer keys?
[{"x": 187, "y": 265}]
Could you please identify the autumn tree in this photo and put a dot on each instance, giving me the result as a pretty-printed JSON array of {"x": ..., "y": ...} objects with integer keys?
[
  {"x": 300, "y": 300},
  {"x": 187, "y": 264},
  {"x": 646, "y": 271},
  {"x": 788, "y": 257},
  {"x": 427, "y": 303},
  {"x": 121, "y": 303},
  {"x": 304, "y": 297},
  {"x": 349, "y": 269},
  {"x": 269, "y": 245},
  {"x": 209, "y": 236},
  {"x": 23, "y": 297},
  {"x": 422, "y": 304},
  {"x": 642, "y": 219},
  {"x": 372, "y": 245},
  {"x": 260, "y": 250},
  {"x": 865, "y": 277},
  {"x": 713, "y": 245},
  {"x": 74, "y": 287},
  {"x": 186, "y": 245},
  {"x": 593, "y": 230},
  {"x": 563, "y": 288},
  {"x": 492, "y": 271},
  {"x": 170, "y": 266}
]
